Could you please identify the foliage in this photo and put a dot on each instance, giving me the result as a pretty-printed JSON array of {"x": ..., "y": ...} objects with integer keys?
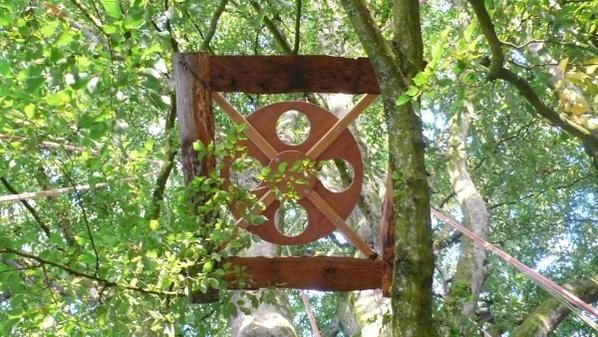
[{"x": 86, "y": 99}]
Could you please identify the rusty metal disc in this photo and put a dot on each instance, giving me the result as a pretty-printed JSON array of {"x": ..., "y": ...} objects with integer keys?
[{"x": 344, "y": 147}]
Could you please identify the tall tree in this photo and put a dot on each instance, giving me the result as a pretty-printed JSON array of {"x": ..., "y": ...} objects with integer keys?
[
  {"x": 497, "y": 127},
  {"x": 396, "y": 65}
]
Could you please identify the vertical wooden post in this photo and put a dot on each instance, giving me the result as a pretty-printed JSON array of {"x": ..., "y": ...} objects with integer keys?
[
  {"x": 194, "y": 112},
  {"x": 196, "y": 123},
  {"x": 387, "y": 238}
]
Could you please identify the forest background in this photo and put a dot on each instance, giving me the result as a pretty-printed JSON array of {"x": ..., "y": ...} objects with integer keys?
[{"x": 488, "y": 112}]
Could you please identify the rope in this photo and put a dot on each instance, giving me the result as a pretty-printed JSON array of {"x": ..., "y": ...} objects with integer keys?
[{"x": 547, "y": 284}]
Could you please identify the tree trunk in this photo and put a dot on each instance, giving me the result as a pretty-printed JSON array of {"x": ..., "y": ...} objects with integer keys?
[
  {"x": 360, "y": 313},
  {"x": 413, "y": 264},
  {"x": 471, "y": 261},
  {"x": 268, "y": 319},
  {"x": 469, "y": 276},
  {"x": 550, "y": 313}
]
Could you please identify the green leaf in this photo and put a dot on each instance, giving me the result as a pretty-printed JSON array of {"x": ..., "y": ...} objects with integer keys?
[
  {"x": 86, "y": 121},
  {"x": 412, "y": 91},
  {"x": 64, "y": 39},
  {"x": 469, "y": 30},
  {"x": 135, "y": 18},
  {"x": 404, "y": 98},
  {"x": 154, "y": 224},
  {"x": 112, "y": 7},
  {"x": 4, "y": 67},
  {"x": 208, "y": 267},
  {"x": 58, "y": 99},
  {"x": 33, "y": 83},
  {"x": 29, "y": 111},
  {"x": 420, "y": 79},
  {"x": 48, "y": 29},
  {"x": 282, "y": 167},
  {"x": 5, "y": 18}
]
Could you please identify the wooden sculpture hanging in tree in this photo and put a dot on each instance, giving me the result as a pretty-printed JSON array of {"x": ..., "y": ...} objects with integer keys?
[{"x": 200, "y": 78}]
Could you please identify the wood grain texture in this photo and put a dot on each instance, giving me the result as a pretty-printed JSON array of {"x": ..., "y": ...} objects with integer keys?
[
  {"x": 286, "y": 74},
  {"x": 325, "y": 273},
  {"x": 194, "y": 112}
]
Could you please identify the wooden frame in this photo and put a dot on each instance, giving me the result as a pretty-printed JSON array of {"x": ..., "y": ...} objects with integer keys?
[
  {"x": 286, "y": 74},
  {"x": 198, "y": 80}
]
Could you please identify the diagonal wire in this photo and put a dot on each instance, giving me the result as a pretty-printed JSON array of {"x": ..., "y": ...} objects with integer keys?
[{"x": 551, "y": 287}]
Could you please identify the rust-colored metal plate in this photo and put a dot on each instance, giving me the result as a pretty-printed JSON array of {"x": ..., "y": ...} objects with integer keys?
[{"x": 344, "y": 147}]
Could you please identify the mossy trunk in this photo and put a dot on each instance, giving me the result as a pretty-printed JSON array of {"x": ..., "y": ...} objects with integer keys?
[
  {"x": 395, "y": 67},
  {"x": 550, "y": 313}
]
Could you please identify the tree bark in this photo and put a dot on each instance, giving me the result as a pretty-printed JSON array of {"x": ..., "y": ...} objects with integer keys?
[
  {"x": 413, "y": 265},
  {"x": 360, "y": 313},
  {"x": 469, "y": 276},
  {"x": 267, "y": 319},
  {"x": 550, "y": 313}
]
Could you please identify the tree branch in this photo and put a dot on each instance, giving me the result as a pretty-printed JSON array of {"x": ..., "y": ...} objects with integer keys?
[
  {"x": 213, "y": 25},
  {"x": 86, "y": 221},
  {"x": 590, "y": 140},
  {"x": 487, "y": 27},
  {"x": 297, "y": 27},
  {"x": 447, "y": 241},
  {"x": 469, "y": 273},
  {"x": 106, "y": 283},
  {"x": 413, "y": 255},
  {"x": 158, "y": 193},
  {"x": 497, "y": 71},
  {"x": 63, "y": 190},
  {"x": 28, "y": 206},
  {"x": 276, "y": 33},
  {"x": 94, "y": 20},
  {"x": 551, "y": 312},
  {"x": 372, "y": 40}
]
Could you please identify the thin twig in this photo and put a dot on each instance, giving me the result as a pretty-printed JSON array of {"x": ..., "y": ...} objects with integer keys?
[
  {"x": 94, "y": 20},
  {"x": 297, "y": 27},
  {"x": 56, "y": 145},
  {"x": 166, "y": 169},
  {"x": 173, "y": 42},
  {"x": 64, "y": 190},
  {"x": 28, "y": 206},
  {"x": 20, "y": 268},
  {"x": 525, "y": 44},
  {"x": 85, "y": 220},
  {"x": 446, "y": 199},
  {"x": 538, "y": 193},
  {"x": 104, "y": 282},
  {"x": 48, "y": 285},
  {"x": 310, "y": 314},
  {"x": 276, "y": 33},
  {"x": 213, "y": 25}
]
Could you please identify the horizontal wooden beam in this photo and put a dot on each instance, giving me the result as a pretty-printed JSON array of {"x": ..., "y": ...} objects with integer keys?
[
  {"x": 324, "y": 273},
  {"x": 287, "y": 74}
]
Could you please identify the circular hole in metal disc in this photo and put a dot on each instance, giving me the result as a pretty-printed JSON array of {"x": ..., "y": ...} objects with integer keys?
[
  {"x": 336, "y": 175},
  {"x": 292, "y": 127},
  {"x": 290, "y": 219}
]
